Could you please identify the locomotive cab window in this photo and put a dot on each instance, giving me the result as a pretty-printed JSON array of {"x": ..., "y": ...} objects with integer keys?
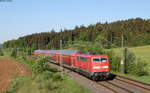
[
  {"x": 96, "y": 59},
  {"x": 100, "y": 59},
  {"x": 103, "y": 59}
]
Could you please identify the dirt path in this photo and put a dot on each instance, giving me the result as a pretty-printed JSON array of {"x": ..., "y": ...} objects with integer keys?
[{"x": 10, "y": 69}]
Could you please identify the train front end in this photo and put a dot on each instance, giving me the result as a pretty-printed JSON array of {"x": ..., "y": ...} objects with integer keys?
[{"x": 100, "y": 67}]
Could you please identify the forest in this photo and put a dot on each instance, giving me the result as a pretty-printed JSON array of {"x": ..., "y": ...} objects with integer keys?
[{"x": 133, "y": 32}]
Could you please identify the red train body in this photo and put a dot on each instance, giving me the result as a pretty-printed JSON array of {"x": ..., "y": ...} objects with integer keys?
[{"x": 93, "y": 66}]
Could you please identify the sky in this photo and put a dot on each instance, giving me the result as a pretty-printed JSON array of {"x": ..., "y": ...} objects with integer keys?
[{"x": 23, "y": 17}]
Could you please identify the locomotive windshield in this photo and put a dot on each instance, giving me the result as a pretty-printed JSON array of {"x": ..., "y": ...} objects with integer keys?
[{"x": 99, "y": 59}]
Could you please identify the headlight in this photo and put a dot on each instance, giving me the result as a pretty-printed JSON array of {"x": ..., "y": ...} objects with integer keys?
[
  {"x": 104, "y": 66},
  {"x": 96, "y": 67}
]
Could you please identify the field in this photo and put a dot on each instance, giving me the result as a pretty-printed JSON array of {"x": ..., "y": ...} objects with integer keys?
[
  {"x": 142, "y": 52},
  {"x": 10, "y": 69}
]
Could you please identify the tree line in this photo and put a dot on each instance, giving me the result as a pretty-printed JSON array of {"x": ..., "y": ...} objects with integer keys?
[{"x": 135, "y": 32}]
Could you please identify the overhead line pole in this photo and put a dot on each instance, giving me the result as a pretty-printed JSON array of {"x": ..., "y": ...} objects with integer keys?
[
  {"x": 122, "y": 61},
  {"x": 61, "y": 65}
]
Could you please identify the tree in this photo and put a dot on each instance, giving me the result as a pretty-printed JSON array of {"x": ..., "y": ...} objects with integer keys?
[
  {"x": 14, "y": 53},
  {"x": 1, "y": 52}
]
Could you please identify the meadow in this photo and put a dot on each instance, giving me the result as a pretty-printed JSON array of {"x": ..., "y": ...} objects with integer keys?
[{"x": 142, "y": 52}]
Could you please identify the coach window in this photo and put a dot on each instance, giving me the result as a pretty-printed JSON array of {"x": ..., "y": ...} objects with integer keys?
[
  {"x": 83, "y": 59},
  {"x": 78, "y": 58}
]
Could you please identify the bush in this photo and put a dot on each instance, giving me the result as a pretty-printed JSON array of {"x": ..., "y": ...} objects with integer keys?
[
  {"x": 47, "y": 75},
  {"x": 133, "y": 66},
  {"x": 40, "y": 65},
  {"x": 138, "y": 68},
  {"x": 57, "y": 77},
  {"x": 129, "y": 62},
  {"x": 1, "y": 52}
]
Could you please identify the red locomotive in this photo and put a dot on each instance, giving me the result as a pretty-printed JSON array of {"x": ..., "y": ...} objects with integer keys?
[{"x": 91, "y": 65}]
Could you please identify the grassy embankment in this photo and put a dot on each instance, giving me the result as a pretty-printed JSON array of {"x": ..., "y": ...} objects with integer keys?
[
  {"x": 49, "y": 81},
  {"x": 143, "y": 53}
]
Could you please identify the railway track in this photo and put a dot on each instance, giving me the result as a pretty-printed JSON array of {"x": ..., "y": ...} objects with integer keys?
[
  {"x": 118, "y": 84},
  {"x": 133, "y": 82},
  {"x": 139, "y": 87},
  {"x": 113, "y": 87},
  {"x": 122, "y": 84}
]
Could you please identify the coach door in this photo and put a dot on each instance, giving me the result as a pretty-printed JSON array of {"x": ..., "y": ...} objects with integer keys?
[
  {"x": 78, "y": 61},
  {"x": 56, "y": 58},
  {"x": 84, "y": 63},
  {"x": 72, "y": 61}
]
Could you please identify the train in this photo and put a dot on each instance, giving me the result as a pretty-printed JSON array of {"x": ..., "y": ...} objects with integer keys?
[{"x": 92, "y": 65}]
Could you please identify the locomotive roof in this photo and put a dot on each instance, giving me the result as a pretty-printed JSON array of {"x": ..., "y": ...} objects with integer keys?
[
  {"x": 46, "y": 51},
  {"x": 67, "y": 52},
  {"x": 63, "y": 52}
]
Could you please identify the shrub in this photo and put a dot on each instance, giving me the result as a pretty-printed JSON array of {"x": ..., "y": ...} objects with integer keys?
[
  {"x": 139, "y": 69},
  {"x": 47, "y": 75},
  {"x": 129, "y": 62},
  {"x": 40, "y": 65},
  {"x": 57, "y": 77},
  {"x": 133, "y": 66}
]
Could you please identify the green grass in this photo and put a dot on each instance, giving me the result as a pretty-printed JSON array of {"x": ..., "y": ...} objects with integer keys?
[
  {"x": 145, "y": 79},
  {"x": 142, "y": 52},
  {"x": 7, "y": 52},
  {"x": 40, "y": 85}
]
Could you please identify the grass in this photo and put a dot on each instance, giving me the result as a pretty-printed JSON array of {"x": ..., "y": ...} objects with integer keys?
[
  {"x": 142, "y": 52},
  {"x": 145, "y": 79},
  {"x": 7, "y": 52},
  {"x": 38, "y": 85}
]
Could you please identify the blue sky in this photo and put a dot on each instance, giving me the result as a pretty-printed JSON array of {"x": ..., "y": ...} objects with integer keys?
[{"x": 23, "y": 17}]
